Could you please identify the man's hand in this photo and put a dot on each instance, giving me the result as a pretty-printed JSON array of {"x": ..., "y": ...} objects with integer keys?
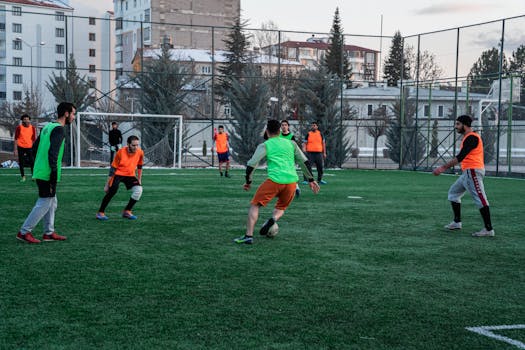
[
  {"x": 106, "y": 187},
  {"x": 53, "y": 177},
  {"x": 439, "y": 170},
  {"x": 246, "y": 187},
  {"x": 324, "y": 155},
  {"x": 15, "y": 152},
  {"x": 314, "y": 186}
]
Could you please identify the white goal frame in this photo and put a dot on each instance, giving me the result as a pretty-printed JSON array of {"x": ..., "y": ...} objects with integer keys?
[{"x": 131, "y": 116}]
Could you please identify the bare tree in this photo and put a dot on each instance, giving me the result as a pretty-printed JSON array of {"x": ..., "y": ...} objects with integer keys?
[
  {"x": 429, "y": 69},
  {"x": 377, "y": 126}
]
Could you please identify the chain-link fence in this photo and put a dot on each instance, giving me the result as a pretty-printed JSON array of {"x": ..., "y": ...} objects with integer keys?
[{"x": 145, "y": 65}]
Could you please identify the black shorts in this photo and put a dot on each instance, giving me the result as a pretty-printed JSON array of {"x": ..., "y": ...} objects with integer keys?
[
  {"x": 46, "y": 189},
  {"x": 129, "y": 181},
  {"x": 224, "y": 157}
]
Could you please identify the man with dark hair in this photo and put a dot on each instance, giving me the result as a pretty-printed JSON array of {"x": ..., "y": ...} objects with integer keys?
[
  {"x": 473, "y": 170},
  {"x": 315, "y": 147},
  {"x": 281, "y": 156},
  {"x": 25, "y": 135},
  {"x": 115, "y": 140},
  {"x": 128, "y": 160},
  {"x": 49, "y": 150},
  {"x": 222, "y": 146}
]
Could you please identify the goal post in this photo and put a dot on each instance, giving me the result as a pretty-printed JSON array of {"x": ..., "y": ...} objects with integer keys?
[{"x": 160, "y": 137}]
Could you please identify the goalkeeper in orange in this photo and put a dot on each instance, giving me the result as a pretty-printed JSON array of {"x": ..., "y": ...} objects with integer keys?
[{"x": 127, "y": 160}]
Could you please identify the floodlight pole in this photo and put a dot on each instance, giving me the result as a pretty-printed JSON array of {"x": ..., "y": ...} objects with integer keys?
[{"x": 77, "y": 121}]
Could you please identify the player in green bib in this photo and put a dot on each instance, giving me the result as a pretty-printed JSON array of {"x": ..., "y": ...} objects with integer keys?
[
  {"x": 49, "y": 150},
  {"x": 287, "y": 134},
  {"x": 281, "y": 156}
]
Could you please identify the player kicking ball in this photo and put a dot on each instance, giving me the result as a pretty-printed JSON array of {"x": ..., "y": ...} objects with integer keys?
[
  {"x": 281, "y": 155},
  {"x": 127, "y": 160}
]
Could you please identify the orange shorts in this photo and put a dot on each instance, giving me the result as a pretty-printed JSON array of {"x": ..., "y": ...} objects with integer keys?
[{"x": 269, "y": 189}]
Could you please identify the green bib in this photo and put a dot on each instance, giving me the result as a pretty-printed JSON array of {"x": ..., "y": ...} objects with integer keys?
[
  {"x": 288, "y": 137},
  {"x": 42, "y": 170},
  {"x": 280, "y": 157}
]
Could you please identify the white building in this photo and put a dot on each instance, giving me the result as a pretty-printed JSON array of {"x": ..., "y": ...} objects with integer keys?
[
  {"x": 36, "y": 39},
  {"x": 32, "y": 35}
]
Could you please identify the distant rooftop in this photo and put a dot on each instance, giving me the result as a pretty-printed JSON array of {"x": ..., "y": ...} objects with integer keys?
[{"x": 49, "y": 4}]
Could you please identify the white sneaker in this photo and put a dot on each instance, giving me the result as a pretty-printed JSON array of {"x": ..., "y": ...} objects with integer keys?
[
  {"x": 453, "y": 226},
  {"x": 484, "y": 233}
]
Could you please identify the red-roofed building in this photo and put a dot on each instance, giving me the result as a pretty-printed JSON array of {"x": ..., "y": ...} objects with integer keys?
[{"x": 310, "y": 53}]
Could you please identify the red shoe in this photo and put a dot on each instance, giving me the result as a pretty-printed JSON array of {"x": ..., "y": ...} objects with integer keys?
[
  {"x": 28, "y": 238},
  {"x": 53, "y": 237}
]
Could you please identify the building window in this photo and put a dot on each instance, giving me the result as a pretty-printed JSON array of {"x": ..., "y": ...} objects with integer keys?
[
  {"x": 92, "y": 37},
  {"x": 17, "y": 44},
  {"x": 370, "y": 110},
  {"x": 92, "y": 21},
  {"x": 17, "y": 95},
  {"x": 59, "y": 16},
  {"x": 2, "y": 27},
  {"x": 426, "y": 111},
  {"x": 2, "y": 78},
  {"x": 60, "y": 65},
  {"x": 16, "y": 11},
  {"x": 227, "y": 110},
  {"x": 17, "y": 27},
  {"x": 134, "y": 3},
  {"x": 17, "y": 78},
  {"x": 118, "y": 73},
  {"x": 147, "y": 17},
  {"x": 59, "y": 49},
  {"x": 118, "y": 23},
  {"x": 92, "y": 53},
  {"x": 59, "y": 32},
  {"x": 118, "y": 58},
  {"x": 147, "y": 35},
  {"x": 92, "y": 83},
  {"x": 206, "y": 69},
  {"x": 17, "y": 61},
  {"x": 2, "y": 95},
  {"x": 92, "y": 68},
  {"x": 441, "y": 111},
  {"x": 126, "y": 5}
]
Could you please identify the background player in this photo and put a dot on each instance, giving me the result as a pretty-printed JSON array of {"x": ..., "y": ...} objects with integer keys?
[
  {"x": 315, "y": 147},
  {"x": 287, "y": 134},
  {"x": 222, "y": 146},
  {"x": 471, "y": 179},
  {"x": 128, "y": 160},
  {"x": 25, "y": 135},
  {"x": 281, "y": 156},
  {"x": 115, "y": 140}
]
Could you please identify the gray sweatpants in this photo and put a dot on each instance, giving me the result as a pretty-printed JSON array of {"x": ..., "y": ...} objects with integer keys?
[
  {"x": 44, "y": 208},
  {"x": 470, "y": 180}
]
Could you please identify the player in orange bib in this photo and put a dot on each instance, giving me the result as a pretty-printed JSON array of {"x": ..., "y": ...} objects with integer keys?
[
  {"x": 25, "y": 136},
  {"x": 473, "y": 170},
  {"x": 222, "y": 146},
  {"x": 127, "y": 160}
]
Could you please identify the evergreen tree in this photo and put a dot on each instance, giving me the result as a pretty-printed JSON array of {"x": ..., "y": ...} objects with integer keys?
[
  {"x": 488, "y": 135},
  {"x": 236, "y": 44},
  {"x": 336, "y": 59},
  {"x": 434, "y": 143},
  {"x": 70, "y": 87},
  {"x": 412, "y": 145},
  {"x": 517, "y": 67},
  {"x": 485, "y": 71},
  {"x": 249, "y": 98},
  {"x": 396, "y": 62},
  {"x": 161, "y": 92},
  {"x": 317, "y": 96}
]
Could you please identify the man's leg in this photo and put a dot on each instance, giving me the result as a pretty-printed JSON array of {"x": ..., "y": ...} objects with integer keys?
[
  {"x": 107, "y": 198},
  {"x": 21, "y": 156},
  {"x": 253, "y": 215},
  {"x": 477, "y": 190},
  {"x": 455, "y": 193},
  {"x": 41, "y": 208},
  {"x": 319, "y": 166}
]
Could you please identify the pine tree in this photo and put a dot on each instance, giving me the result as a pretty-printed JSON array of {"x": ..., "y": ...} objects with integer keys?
[
  {"x": 236, "y": 44},
  {"x": 70, "y": 87},
  {"x": 486, "y": 70},
  {"x": 336, "y": 59},
  {"x": 317, "y": 96},
  {"x": 161, "y": 92},
  {"x": 517, "y": 67},
  {"x": 412, "y": 144},
  {"x": 249, "y": 100},
  {"x": 396, "y": 62},
  {"x": 434, "y": 143}
]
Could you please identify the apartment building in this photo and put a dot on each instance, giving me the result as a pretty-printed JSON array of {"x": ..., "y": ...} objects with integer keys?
[
  {"x": 32, "y": 36},
  {"x": 310, "y": 53},
  {"x": 184, "y": 23}
]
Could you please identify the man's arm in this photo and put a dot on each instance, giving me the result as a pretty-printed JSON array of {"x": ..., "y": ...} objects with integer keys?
[
  {"x": 259, "y": 154},
  {"x": 139, "y": 167},
  {"x": 56, "y": 138},
  {"x": 469, "y": 144},
  {"x": 15, "y": 144}
]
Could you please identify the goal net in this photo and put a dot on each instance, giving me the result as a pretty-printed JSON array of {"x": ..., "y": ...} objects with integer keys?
[{"x": 160, "y": 138}]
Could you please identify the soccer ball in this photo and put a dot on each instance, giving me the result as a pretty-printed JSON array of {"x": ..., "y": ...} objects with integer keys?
[{"x": 273, "y": 231}]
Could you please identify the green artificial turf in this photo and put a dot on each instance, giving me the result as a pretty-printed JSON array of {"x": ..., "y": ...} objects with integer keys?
[{"x": 365, "y": 264}]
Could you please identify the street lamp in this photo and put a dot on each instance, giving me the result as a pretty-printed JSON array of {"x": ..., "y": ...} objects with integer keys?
[{"x": 31, "y": 48}]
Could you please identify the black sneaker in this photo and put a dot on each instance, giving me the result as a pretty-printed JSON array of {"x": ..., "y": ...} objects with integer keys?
[
  {"x": 266, "y": 227},
  {"x": 227, "y": 175}
]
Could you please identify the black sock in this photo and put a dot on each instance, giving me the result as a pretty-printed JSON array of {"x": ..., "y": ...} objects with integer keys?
[
  {"x": 485, "y": 214},
  {"x": 270, "y": 222},
  {"x": 220, "y": 172},
  {"x": 131, "y": 203},
  {"x": 456, "y": 208}
]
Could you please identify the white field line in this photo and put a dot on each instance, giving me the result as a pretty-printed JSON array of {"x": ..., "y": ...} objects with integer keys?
[
  {"x": 354, "y": 197},
  {"x": 487, "y": 331}
]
